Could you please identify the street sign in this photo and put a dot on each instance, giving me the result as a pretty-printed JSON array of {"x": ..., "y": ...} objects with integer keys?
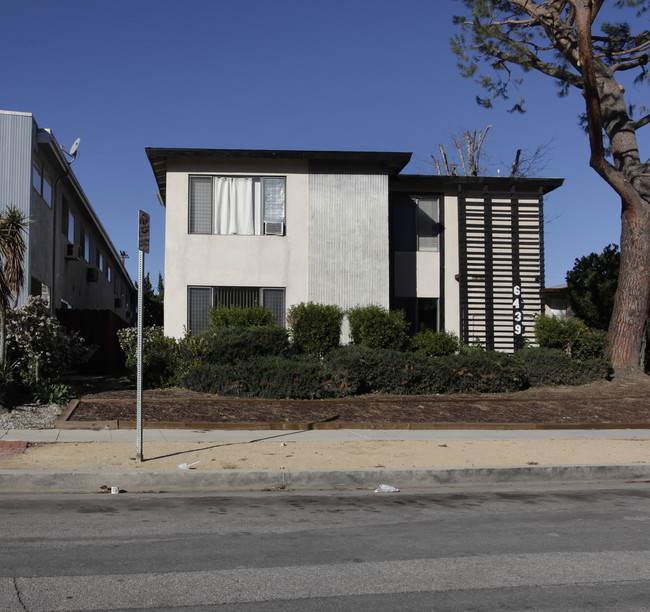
[{"x": 143, "y": 231}]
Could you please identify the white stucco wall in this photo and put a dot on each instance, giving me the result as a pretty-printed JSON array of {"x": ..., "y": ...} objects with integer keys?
[
  {"x": 214, "y": 260},
  {"x": 452, "y": 264}
]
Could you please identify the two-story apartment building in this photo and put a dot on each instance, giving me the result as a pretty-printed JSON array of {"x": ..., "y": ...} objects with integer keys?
[
  {"x": 70, "y": 260},
  {"x": 276, "y": 228}
]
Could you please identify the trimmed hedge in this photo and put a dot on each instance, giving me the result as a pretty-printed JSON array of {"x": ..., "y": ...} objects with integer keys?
[
  {"x": 236, "y": 316},
  {"x": 435, "y": 344},
  {"x": 230, "y": 344},
  {"x": 298, "y": 377},
  {"x": 355, "y": 370},
  {"x": 358, "y": 369},
  {"x": 315, "y": 328},
  {"x": 378, "y": 328},
  {"x": 554, "y": 367}
]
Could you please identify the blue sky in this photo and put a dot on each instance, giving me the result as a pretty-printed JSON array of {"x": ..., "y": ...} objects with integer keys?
[{"x": 372, "y": 75}]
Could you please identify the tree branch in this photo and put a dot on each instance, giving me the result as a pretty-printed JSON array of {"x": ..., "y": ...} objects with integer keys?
[
  {"x": 630, "y": 64},
  {"x": 639, "y": 123}
]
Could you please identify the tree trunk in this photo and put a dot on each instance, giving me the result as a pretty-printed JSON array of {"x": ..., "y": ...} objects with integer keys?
[{"x": 629, "y": 323}]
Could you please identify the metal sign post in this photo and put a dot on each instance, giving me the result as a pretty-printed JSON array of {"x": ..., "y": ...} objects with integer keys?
[{"x": 143, "y": 247}]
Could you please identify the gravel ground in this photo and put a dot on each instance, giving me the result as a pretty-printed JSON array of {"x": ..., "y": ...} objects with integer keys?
[{"x": 30, "y": 416}]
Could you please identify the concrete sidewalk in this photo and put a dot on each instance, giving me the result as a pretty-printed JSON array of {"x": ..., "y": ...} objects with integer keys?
[{"x": 85, "y": 460}]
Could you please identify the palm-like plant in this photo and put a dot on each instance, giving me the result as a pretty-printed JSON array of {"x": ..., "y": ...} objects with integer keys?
[{"x": 13, "y": 225}]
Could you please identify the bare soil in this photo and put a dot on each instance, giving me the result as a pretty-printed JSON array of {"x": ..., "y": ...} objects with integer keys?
[{"x": 625, "y": 400}]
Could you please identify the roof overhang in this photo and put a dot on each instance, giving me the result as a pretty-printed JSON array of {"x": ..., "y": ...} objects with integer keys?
[
  {"x": 390, "y": 162},
  {"x": 474, "y": 183}
]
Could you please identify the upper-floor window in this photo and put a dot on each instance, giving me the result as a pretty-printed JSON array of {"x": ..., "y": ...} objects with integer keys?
[
  {"x": 241, "y": 205},
  {"x": 42, "y": 181},
  {"x": 70, "y": 230},
  {"x": 416, "y": 223},
  {"x": 99, "y": 259}
]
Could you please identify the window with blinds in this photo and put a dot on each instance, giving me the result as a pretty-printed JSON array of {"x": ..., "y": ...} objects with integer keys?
[
  {"x": 237, "y": 205},
  {"x": 201, "y": 299}
]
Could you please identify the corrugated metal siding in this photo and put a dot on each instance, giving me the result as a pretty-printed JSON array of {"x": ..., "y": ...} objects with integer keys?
[
  {"x": 16, "y": 160},
  {"x": 16, "y": 133},
  {"x": 348, "y": 239}
]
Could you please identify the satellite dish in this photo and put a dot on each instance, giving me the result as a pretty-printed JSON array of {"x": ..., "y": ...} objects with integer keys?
[{"x": 74, "y": 147}]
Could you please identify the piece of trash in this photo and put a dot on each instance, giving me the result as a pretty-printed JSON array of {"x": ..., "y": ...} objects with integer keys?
[
  {"x": 187, "y": 466},
  {"x": 115, "y": 490},
  {"x": 384, "y": 488},
  {"x": 283, "y": 443}
]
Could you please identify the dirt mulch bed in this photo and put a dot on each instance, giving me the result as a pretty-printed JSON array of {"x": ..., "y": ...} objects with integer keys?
[{"x": 622, "y": 401}]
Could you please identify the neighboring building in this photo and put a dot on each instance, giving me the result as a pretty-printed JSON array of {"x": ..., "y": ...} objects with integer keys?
[
  {"x": 556, "y": 301},
  {"x": 281, "y": 227},
  {"x": 70, "y": 259}
]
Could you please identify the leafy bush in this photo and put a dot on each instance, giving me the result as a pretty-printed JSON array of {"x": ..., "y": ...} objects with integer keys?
[
  {"x": 353, "y": 370},
  {"x": 478, "y": 371},
  {"x": 378, "y": 328},
  {"x": 236, "y": 316},
  {"x": 562, "y": 334},
  {"x": 554, "y": 367},
  {"x": 50, "y": 393},
  {"x": 267, "y": 376},
  {"x": 357, "y": 369},
  {"x": 159, "y": 356},
  {"x": 38, "y": 347},
  {"x": 435, "y": 344},
  {"x": 315, "y": 328},
  {"x": 591, "y": 345},
  {"x": 230, "y": 344}
]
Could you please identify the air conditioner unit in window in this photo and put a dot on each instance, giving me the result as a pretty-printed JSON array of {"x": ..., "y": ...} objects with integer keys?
[
  {"x": 274, "y": 228},
  {"x": 92, "y": 275},
  {"x": 72, "y": 251}
]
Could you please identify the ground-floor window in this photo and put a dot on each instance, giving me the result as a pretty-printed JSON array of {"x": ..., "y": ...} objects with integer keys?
[
  {"x": 201, "y": 299},
  {"x": 421, "y": 313}
]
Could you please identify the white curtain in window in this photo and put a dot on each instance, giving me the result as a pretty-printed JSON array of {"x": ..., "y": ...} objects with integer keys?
[{"x": 237, "y": 209}]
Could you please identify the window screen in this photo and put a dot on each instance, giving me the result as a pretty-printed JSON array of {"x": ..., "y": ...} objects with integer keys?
[
  {"x": 273, "y": 299},
  {"x": 199, "y": 301},
  {"x": 200, "y": 210},
  {"x": 274, "y": 197}
]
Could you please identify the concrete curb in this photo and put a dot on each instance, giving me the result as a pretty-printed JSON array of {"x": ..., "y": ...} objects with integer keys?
[{"x": 210, "y": 481}]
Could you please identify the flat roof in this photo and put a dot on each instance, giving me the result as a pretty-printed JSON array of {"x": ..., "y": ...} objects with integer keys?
[
  {"x": 504, "y": 182},
  {"x": 393, "y": 162}
]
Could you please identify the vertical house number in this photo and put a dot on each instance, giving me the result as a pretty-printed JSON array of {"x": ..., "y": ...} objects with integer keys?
[{"x": 517, "y": 313}]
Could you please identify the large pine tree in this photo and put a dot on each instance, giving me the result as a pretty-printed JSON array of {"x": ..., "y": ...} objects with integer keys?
[{"x": 557, "y": 39}]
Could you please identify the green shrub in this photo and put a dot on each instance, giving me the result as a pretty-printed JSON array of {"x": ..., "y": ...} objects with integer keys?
[
  {"x": 236, "y": 316},
  {"x": 435, "y": 344},
  {"x": 591, "y": 345},
  {"x": 378, "y": 328},
  {"x": 562, "y": 334},
  {"x": 353, "y": 370},
  {"x": 50, "y": 393},
  {"x": 554, "y": 367},
  {"x": 159, "y": 356},
  {"x": 315, "y": 328},
  {"x": 299, "y": 376},
  {"x": 357, "y": 369},
  {"x": 230, "y": 344},
  {"x": 39, "y": 349},
  {"x": 478, "y": 371}
]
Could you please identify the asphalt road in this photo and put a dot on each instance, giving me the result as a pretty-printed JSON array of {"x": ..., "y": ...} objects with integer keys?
[{"x": 563, "y": 548}]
